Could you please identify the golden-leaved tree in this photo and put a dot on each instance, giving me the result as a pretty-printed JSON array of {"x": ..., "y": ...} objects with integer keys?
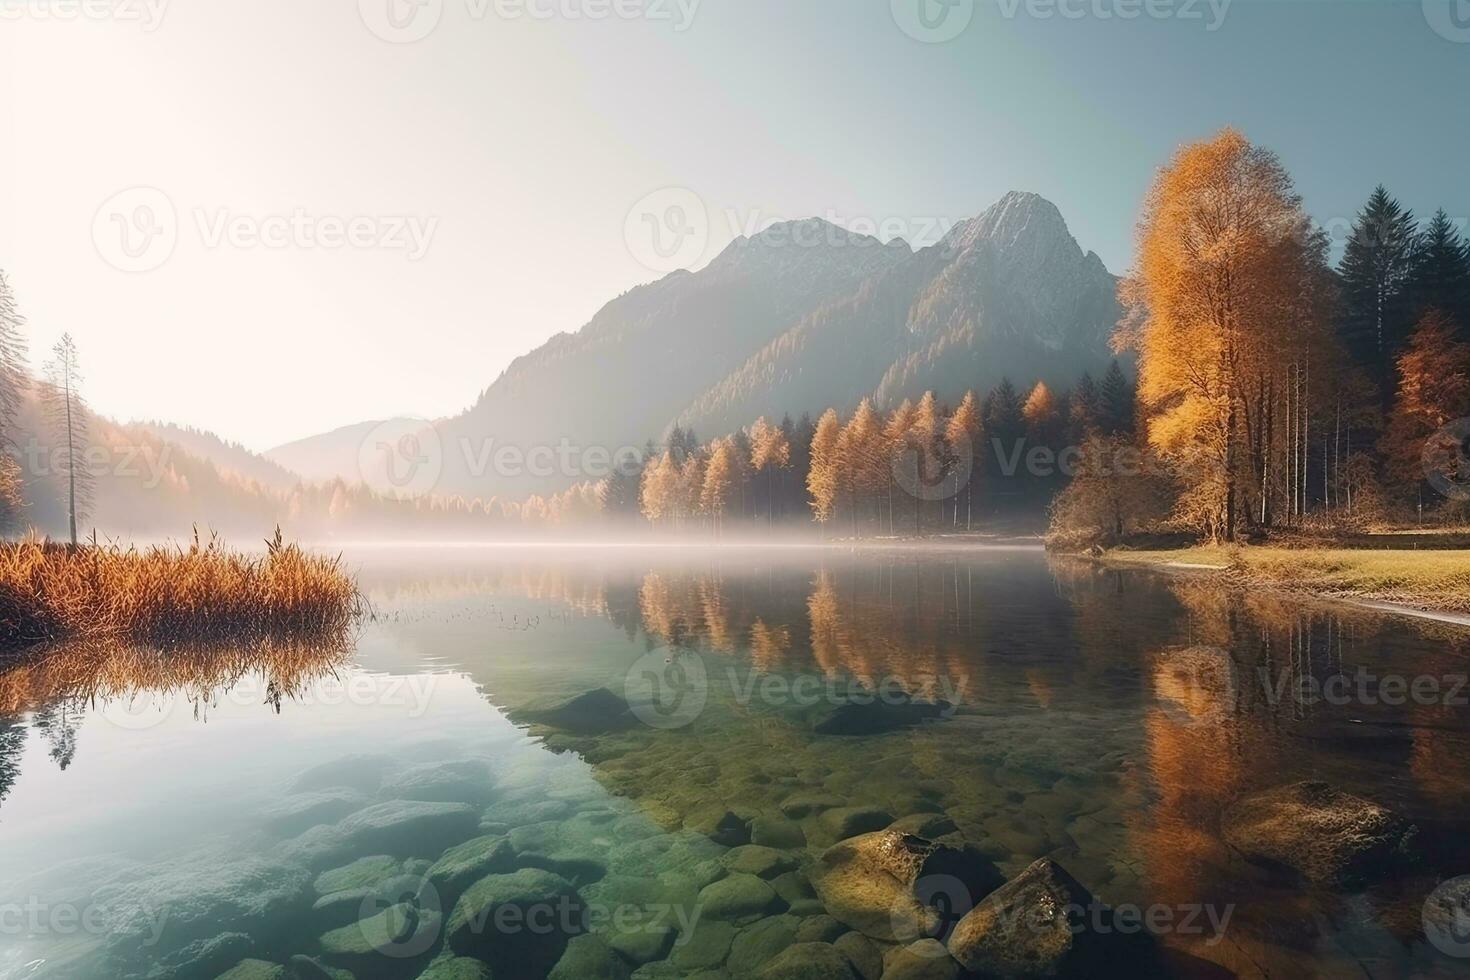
[
  {"x": 1229, "y": 304},
  {"x": 822, "y": 475},
  {"x": 1433, "y": 391}
]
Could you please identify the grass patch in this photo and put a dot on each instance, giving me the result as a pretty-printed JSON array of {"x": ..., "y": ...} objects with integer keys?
[
  {"x": 1430, "y": 579},
  {"x": 203, "y": 595}
]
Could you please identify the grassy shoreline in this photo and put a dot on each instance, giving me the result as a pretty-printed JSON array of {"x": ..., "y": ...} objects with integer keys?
[{"x": 1424, "y": 580}]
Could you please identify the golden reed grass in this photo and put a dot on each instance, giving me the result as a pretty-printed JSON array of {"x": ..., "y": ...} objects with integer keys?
[{"x": 202, "y": 596}]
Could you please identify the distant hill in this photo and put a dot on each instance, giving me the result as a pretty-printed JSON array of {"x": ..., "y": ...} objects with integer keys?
[
  {"x": 228, "y": 457},
  {"x": 328, "y": 456},
  {"x": 799, "y": 317}
]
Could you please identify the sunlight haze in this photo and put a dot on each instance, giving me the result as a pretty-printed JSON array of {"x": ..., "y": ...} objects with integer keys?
[{"x": 517, "y": 146}]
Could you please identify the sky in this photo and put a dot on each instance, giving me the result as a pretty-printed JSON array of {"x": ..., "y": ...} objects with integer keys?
[{"x": 273, "y": 218}]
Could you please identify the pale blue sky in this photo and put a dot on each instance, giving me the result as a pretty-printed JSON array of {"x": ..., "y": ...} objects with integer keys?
[{"x": 519, "y": 145}]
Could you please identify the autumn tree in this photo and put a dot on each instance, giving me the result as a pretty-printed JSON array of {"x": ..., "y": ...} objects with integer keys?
[
  {"x": 714, "y": 494},
  {"x": 892, "y": 458},
  {"x": 1040, "y": 411},
  {"x": 961, "y": 436},
  {"x": 862, "y": 459},
  {"x": 770, "y": 454},
  {"x": 1433, "y": 390},
  {"x": 822, "y": 481},
  {"x": 656, "y": 494},
  {"x": 68, "y": 413},
  {"x": 1226, "y": 257},
  {"x": 1116, "y": 488}
]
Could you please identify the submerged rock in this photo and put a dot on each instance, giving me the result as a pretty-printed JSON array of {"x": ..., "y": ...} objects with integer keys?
[
  {"x": 457, "y": 968},
  {"x": 760, "y": 942},
  {"x": 558, "y": 847},
  {"x": 186, "y": 903},
  {"x": 402, "y": 828},
  {"x": 301, "y": 811},
  {"x": 206, "y": 957},
  {"x": 775, "y": 830},
  {"x": 594, "y": 713},
  {"x": 519, "y": 923},
  {"x": 849, "y": 821},
  {"x": 738, "y": 897},
  {"x": 926, "y": 959},
  {"x": 703, "y": 948},
  {"x": 307, "y": 968},
  {"x": 588, "y": 957},
  {"x": 805, "y": 805},
  {"x": 1331, "y": 838},
  {"x": 363, "y": 773},
  {"x": 725, "y": 827},
  {"x": 897, "y": 887},
  {"x": 763, "y": 862},
  {"x": 865, "y": 955},
  {"x": 255, "y": 970},
  {"x": 464, "y": 864},
  {"x": 878, "y": 715},
  {"x": 366, "y": 872},
  {"x": 819, "y": 929},
  {"x": 398, "y": 933},
  {"x": 643, "y": 941},
  {"x": 809, "y": 961},
  {"x": 1029, "y": 927},
  {"x": 441, "y": 782}
]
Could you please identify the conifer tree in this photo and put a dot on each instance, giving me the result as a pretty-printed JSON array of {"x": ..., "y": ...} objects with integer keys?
[
  {"x": 1441, "y": 274},
  {"x": 1115, "y": 401},
  {"x": 1375, "y": 269},
  {"x": 961, "y": 435}
]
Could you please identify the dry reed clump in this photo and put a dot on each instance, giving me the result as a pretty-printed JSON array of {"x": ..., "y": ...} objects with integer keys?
[{"x": 202, "y": 595}]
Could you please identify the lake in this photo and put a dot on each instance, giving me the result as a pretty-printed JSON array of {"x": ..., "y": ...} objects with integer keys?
[{"x": 657, "y": 746}]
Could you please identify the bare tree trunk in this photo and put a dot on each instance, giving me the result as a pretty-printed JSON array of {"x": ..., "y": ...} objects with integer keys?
[{"x": 71, "y": 461}]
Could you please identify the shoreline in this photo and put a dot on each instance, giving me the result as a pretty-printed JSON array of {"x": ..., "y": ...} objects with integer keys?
[{"x": 1389, "y": 582}]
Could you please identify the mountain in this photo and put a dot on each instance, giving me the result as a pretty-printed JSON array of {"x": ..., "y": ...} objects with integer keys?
[
  {"x": 797, "y": 318},
  {"x": 228, "y": 457},
  {"x": 330, "y": 455},
  {"x": 1007, "y": 293}
]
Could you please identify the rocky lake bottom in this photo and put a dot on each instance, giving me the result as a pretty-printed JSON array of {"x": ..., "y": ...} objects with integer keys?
[{"x": 804, "y": 766}]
